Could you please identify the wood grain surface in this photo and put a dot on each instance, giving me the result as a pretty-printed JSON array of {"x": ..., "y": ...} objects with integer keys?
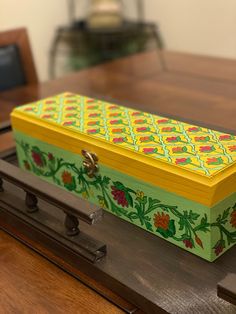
[
  {"x": 226, "y": 289},
  {"x": 151, "y": 273},
  {"x": 195, "y": 89},
  {"x": 5, "y": 108},
  {"x": 7, "y": 144},
  {"x": 30, "y": 284}
]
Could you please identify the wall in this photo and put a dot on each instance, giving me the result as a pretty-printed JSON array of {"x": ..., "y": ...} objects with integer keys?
[
  {"x": 41, "y": 19},
  {"x": 197, "y": 26}
]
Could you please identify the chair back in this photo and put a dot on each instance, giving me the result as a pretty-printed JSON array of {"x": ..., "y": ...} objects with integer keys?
[{"x": 17, "y": 66}]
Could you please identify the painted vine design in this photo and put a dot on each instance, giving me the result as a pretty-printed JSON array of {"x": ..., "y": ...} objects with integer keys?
[{"x": 117, "y": 197}]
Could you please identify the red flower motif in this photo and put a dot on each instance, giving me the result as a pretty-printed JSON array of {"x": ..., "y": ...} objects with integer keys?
[
  {"x": 38, "y": 159},
  {"x": 163, "y": 121},
  {"x": 90, "y": 100},
  {"x": 67, "y": 178},
  {"x": 115, "y": 114},
  {"x": 140, "y": 121},
  {"x": 219, "y": 247},
  {"x": 183, "y": 161},
  {"x": 117, "y": 130},
  {"x": 119, "y": 196},
  {"x": 232, "y": 148},
  {"x": 94, "y": 115},
  {"x": 49, "y": 102},
  {"x": 162, "y": 221},
  {"x": 50, "y": 157},
  {"x": 188, "y": 243},
  {"x": 50, "y": 109},
  {"x": 149, "y": 150},
  {"x": 47, "y": 116},
  {"x": 206, "y": 149},
  {"x": 193, "y": 129},
  {"x": 225, "y": 137},
  {"x": 211, "y": 160},
  {"x": 68, "y": 123},
  {"x": 69, "y": 115},
  {"x": 69, "y": 101},
  {"x": 233, "y": 218},
  {"x": 93, "y": 131},
  {"x": 200, "y": 138},
  {"x": 116, "y": 121},
  {"x": 136, "y": 113},
  {"x": 119, "y": 140},
  {"x": 198, "y": 241},
  {"x": 214, "y": 161},
  {"x": 177, "y": 149},
  {"x": 92, "y": 107},
  {"x": 173, "y": 139},
  {"x": 168, "y": 129},
  {"x": 28, "y": 109},
  {"x": 146, "y": 139},
  {"x": 90, "y": 123},
  {"x": 142, "y": 129},
  {"x": 70, "y": 108},
  {"x": 113, "y": 107}
]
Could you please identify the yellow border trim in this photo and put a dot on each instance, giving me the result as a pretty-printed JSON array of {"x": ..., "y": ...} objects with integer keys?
[{"x": 199, "y": 188}]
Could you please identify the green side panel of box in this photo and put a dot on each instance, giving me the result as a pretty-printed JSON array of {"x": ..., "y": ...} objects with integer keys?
[{"x": 206, "y": 232}]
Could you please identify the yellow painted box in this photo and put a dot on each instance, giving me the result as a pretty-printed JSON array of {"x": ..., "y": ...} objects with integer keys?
[{"x": 173, "y": 179}]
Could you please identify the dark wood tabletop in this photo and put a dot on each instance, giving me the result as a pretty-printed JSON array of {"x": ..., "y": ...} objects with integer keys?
[
  {"x": 195, "y": 89},
  {"x": 54, "y": 291},
  {"x": 192, "y": 88}
]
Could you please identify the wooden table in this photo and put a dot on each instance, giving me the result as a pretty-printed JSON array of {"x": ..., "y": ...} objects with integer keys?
[
  {"x": 195, "y": 89},
  {"x": 31, "y": 284}
]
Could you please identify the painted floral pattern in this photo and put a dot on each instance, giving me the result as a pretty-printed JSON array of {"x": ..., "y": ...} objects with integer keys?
[
  {"x": 184, "y": 227},
  {"x": 165, "y": 226},
  {"x": 187, "y": 146},
  {"x": 38, "y": 157}
]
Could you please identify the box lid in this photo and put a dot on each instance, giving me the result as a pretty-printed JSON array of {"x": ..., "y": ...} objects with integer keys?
[{"x": 191, "y": 161}]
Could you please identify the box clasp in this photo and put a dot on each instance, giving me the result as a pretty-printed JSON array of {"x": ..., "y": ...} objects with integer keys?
[{"x": 90, "y": 163}]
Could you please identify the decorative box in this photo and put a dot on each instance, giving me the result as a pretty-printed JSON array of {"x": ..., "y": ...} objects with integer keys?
[{"x": 173, "y": 179}]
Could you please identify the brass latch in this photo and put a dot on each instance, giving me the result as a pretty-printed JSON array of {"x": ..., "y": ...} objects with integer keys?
[{"x": 90, "y": 163}]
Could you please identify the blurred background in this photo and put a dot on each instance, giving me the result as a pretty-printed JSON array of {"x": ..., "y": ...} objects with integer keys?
[{"x": 58, "y": 34}]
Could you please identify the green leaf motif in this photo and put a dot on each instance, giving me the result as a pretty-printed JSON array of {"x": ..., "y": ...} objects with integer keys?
[
  {"x": 182, "y": 223},
  {"x": 219, "y": 243},
  {"x": 153, "y": 204},
  {"x": 105, "y": 181},
  {"x": 222, "y": 219},
  {"x": 132, "y": 216},
  {"x": 148, "y": 226},
  {"x": 225, "y": 214},
  {"x": 142, "y": 209},
  {"x": 119, "y": 186},
  {"x": 204, "y": 225},
  {"x": 170, "y": 232},
  {"x": 192, "y": 217},
  {"x": 129, "y": 198}
]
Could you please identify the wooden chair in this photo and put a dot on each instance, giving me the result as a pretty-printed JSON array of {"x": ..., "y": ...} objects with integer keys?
[
  {"x": 17, "y": 66},
  {"x": 16, "y": 60}
]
